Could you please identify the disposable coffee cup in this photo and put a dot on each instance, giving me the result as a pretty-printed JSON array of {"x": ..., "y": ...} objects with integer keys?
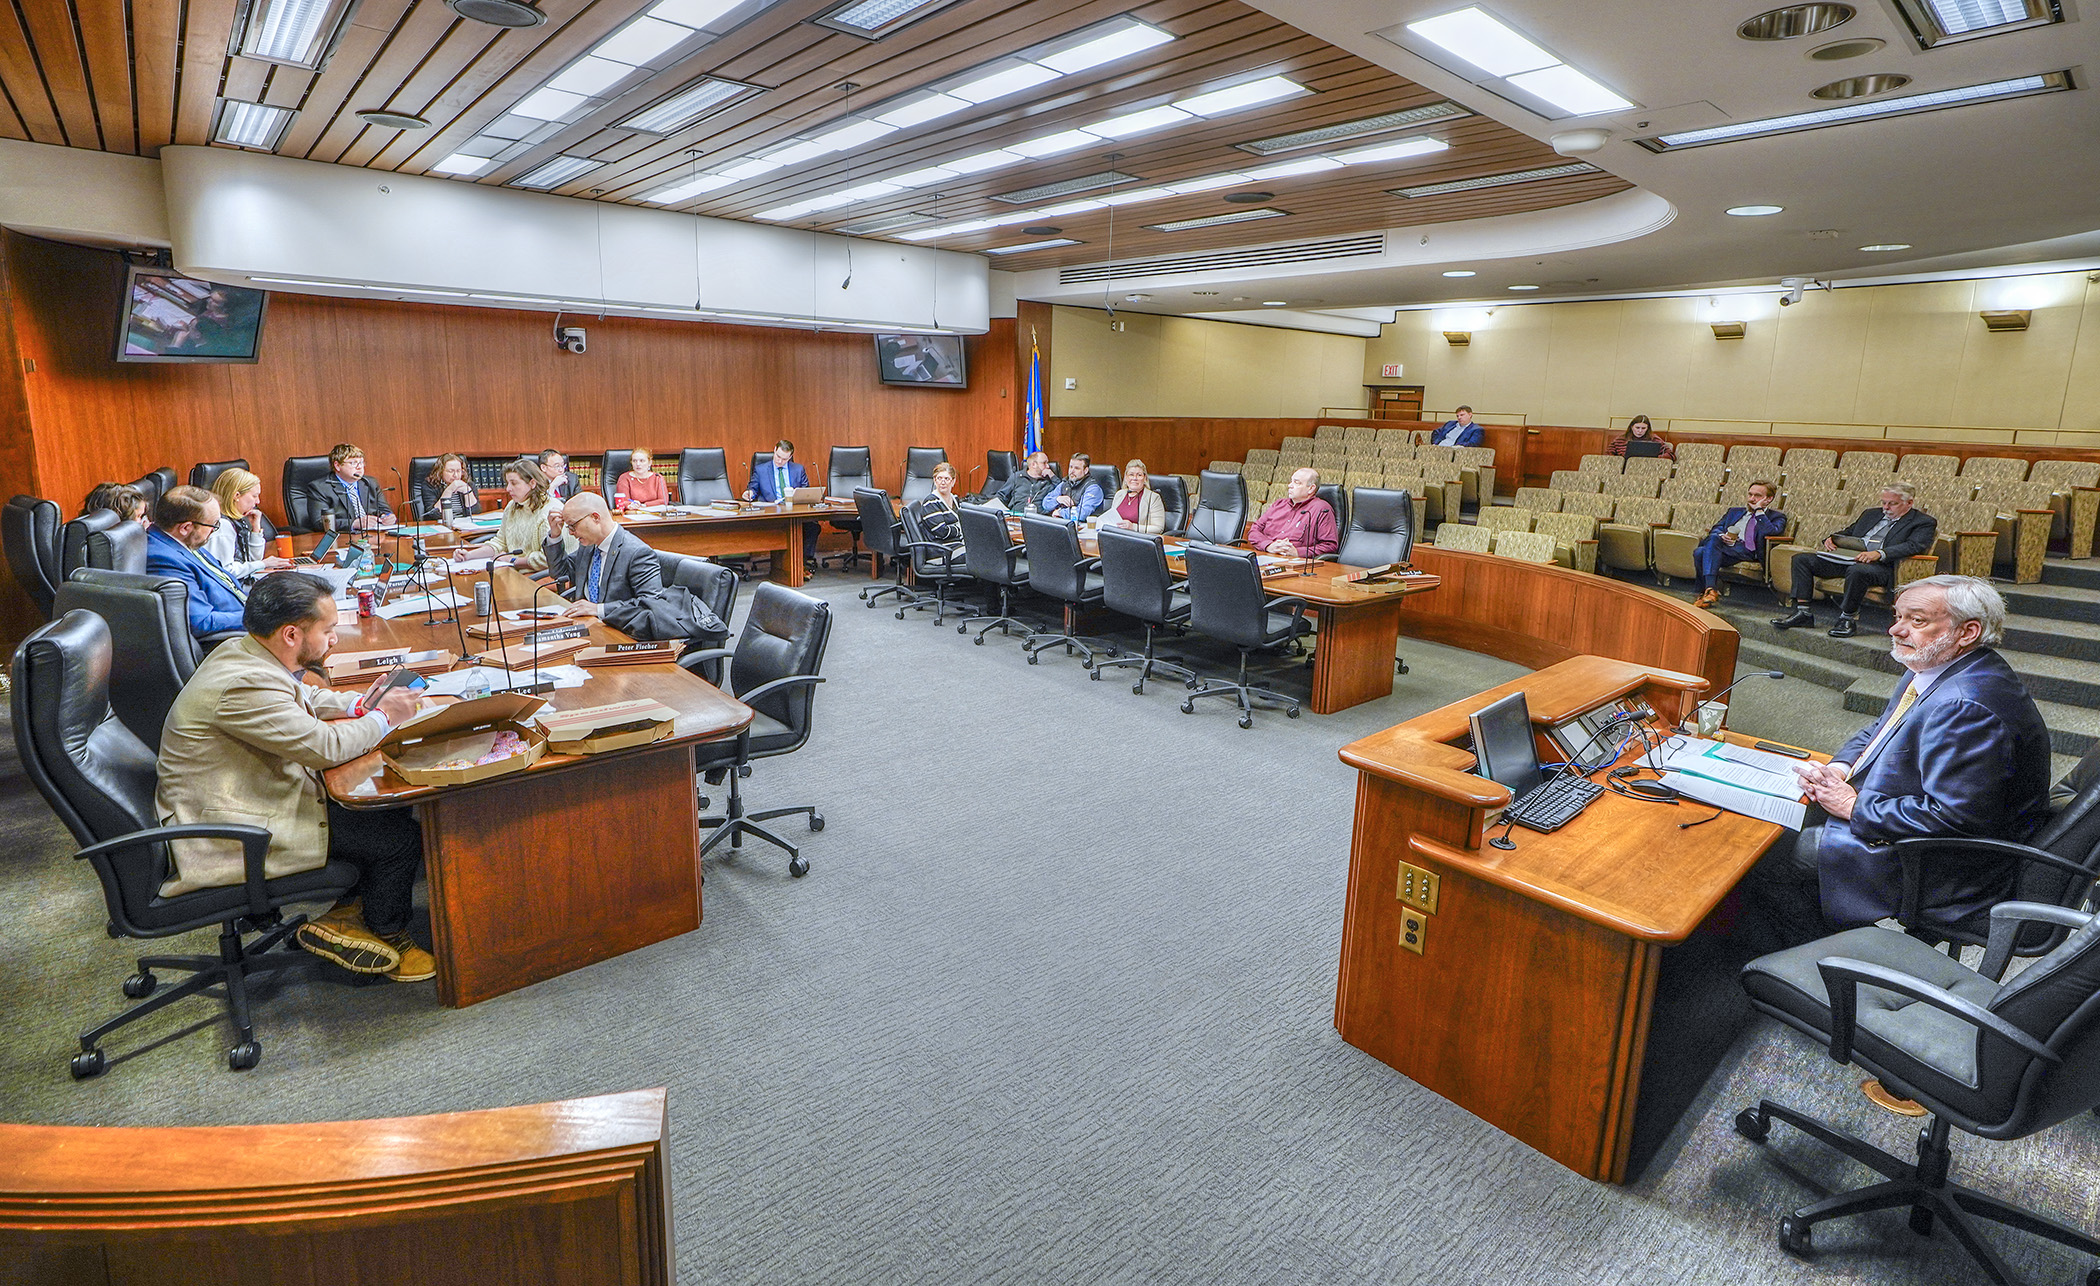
[{"x": 1711, "y": 717}]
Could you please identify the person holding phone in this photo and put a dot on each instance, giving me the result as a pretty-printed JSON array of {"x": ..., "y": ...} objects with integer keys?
[{"x": 246, "y": 743}]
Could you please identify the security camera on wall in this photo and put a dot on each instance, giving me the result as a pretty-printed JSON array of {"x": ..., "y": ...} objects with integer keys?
[
  {"x": 1795, "y": 288},
  {"x": 569, "y": 338}
]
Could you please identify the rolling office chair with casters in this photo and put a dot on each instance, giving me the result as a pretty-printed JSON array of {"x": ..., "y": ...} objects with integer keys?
[
  {"x": 204, "y": 474},
  {"x": 713, "y": 584},
  {"x": 155, "y": 485},
  {"x": 774, "y": 670},
  {"x": 997, "y": 562},
  {"x": 1999, "y": 1060},
  {"x": 1057, "y": 569},
  {"x": 703, "y": 476},
  {"x": 1227, "y": 602},
  {"x": 883, "y": 533},
  {"x": 1135, "y": 581},
  {"x": 932, "y": 563},
  {"x": 99, "y": 779},
  {"x": 1380, "y": 530},
  {"x": 154, "y": 653},
  {"x": 1220, "y": 514},
  {"x": 1174, "y": 497},
  {"x": 998, "y": 467},
  {"x": 299, "y": 470},
  {"x": 918, "y": 472},
  {"x": 29, "y": 533},
  {"x": 848, "y": 471}
]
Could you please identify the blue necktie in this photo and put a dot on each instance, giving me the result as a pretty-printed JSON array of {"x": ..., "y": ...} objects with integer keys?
[{"x": 590, "y": 590}]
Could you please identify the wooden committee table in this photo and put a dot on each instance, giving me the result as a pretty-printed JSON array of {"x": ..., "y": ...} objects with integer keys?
[
  {"x": 775, "y": 530},
  {"x": 1530, "y": 998},
  {"x": 575, "y": 860}
]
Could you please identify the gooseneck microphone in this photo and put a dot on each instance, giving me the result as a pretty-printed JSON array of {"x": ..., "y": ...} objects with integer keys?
[{"x": 1754, "y": 674}]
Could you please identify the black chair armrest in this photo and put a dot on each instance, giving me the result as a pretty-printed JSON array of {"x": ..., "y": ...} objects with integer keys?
[
  {"x": 2007, "y": 918},
  {"x": 1297, "y": 605},
  {"x": 767, "y": 689},
  {"x": 1842, "y": 978},
  {"x": 1914, "y": 852},
  {"x": 935, "y": 549},
  {"x": 255, "y": 847}
]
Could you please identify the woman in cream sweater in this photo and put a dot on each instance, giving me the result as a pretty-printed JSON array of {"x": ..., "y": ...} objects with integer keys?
[
  {"x": 524, "y": 528},
  {"x": 1136, "y": 506}
]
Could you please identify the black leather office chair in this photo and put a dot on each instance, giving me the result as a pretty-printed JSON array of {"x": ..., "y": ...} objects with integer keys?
[
  {"x": 116, "y": 547},
  {"x": 847, "y": 471},
  {"x": 29, "y": 529},
  {"x": 1999, "y": 1060},
  {"x": 610, "y": 467},
  {"x": 1174, "y": 498},
  {"x": 1220, "y": 514},
  {"x": 1226, "y": 601},
  {"x": 1107, "y": 477},
  {"x": 932, "y": 563},
  {"x": 1337, "y": 499},
  {"x": 422, "y": 498},
  {"x": 703, "y": 476},
  {"x": 1381, "y": 530},
  {"x": 998, "y": 467},
  {"x": 713, "y": 584},
  {"x": 1057, "y": 569},
  {"x": 204, "y": 474},
  {"x": 155, "y": 485},
  {"x": 299, "y": 470},
  {"x": 918, "y": 472},
  {"x": 883, "y": 532},
  {"x": 759, "y": 460},
  {"x": 73, "y": 540},
  {"x": 149, "y": 629},
  {"x": 997, "y": 562},
  {"x": 99, "y": 779},
  {"x": 1135, "y": 581},
  {"x": 774, "y": 670}
]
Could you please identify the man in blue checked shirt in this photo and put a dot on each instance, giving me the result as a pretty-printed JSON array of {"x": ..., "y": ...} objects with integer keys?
[{"x": 1078, "y": 497}]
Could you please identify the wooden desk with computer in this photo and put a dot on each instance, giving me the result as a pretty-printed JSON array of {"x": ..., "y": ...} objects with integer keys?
[{"x": 1520, "y": 983}]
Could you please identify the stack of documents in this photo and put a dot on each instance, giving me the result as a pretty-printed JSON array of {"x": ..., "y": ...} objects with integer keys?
[{"x": 1755, "y": 783}]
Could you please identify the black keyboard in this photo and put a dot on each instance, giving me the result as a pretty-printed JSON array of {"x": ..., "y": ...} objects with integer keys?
[{"x": 1553, "y": 805}]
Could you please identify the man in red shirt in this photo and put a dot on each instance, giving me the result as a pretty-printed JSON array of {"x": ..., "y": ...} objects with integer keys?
[{"x": 1301, "y": 525}]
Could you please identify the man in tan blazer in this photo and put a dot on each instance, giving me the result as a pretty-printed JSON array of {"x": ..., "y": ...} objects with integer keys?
[{"x": 246, "y": 742}]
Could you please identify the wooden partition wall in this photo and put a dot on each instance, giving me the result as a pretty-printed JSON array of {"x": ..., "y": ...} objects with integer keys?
[{"x": 573, "y": 1193}]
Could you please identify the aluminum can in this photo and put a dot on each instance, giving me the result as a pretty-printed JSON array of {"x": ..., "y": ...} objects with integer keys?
[
  {"x": 364, "y": 602},
  {"x": 484, "y": 598}
]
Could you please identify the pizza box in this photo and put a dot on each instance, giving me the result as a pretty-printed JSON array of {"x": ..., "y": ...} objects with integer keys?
[
  {"x": 346, "y": 668},
  {"x": 593, "y": 730},
  {"x": 420, "y": 751}
]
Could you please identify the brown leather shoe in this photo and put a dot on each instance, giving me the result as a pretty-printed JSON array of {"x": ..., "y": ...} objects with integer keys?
[
  {"x": 417, "y": 965},
  {"x": 1707, "y": 598},
  {"x": 341, "y": 936}
]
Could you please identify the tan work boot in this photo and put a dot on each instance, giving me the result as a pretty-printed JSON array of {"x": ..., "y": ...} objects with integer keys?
[
  {"x": 417, "y": 965},
  {"x": 1707, "y": 598},
  {"x": 341, "y": 936}
]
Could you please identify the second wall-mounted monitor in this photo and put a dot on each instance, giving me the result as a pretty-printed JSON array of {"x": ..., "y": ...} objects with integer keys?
[{"x": 921, "y": 361}]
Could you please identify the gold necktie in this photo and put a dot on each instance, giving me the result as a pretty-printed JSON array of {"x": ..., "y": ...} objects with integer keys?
[{"x": 1903, "y": 705}]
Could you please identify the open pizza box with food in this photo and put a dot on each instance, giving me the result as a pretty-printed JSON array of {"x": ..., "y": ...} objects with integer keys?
[
  {"x": 594, "y": 730},
  {"x": 467, "y": 741}
]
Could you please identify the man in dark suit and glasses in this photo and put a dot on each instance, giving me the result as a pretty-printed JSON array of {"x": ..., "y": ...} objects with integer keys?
[
  {"x": 1866, "y": 554},
  {"x": 1961, "y": 750},
  {"x": 346, "y": 492},
  {"x": 609, "y": 564}
]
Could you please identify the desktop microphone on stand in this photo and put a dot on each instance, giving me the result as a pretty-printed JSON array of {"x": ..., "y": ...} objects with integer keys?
[{"x": 1754, "y": 674}]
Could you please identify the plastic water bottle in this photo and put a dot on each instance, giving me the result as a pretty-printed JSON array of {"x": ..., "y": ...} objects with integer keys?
[{"x": 477, "y": 684}]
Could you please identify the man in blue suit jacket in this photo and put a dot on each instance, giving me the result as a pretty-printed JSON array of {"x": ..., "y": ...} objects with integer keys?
[
  {"x": 1961, "y": 750},
  {"x": 1740, "y": 535},
  {"x": 771, "y": 483},
  {"x": 1460, "y": 432},
  {"x": 183, "y": 521}
]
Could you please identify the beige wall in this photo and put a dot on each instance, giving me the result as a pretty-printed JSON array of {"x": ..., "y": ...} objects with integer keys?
[
  {"x": 1187, "y": 367},
  {"x": 1910, "y": 361}
]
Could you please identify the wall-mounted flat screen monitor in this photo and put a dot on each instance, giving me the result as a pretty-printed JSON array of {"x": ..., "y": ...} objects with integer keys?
[
  {"x": 168, "y": 317},
  {"x": 923, "y": 361}
]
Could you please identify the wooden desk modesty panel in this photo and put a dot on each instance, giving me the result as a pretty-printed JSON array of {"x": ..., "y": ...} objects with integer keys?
[
  {"x": 573, "y": 1193},
  {"x": 575, "y": 860},
  {"x": 1529, "y": 1001},
  {"x": 761, "y": 529}
]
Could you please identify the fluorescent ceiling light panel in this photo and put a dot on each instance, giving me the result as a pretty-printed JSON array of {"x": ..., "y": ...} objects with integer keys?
[
  {"x": 1208, "y": 184},
  {"x": 868, "y": 192},
  {"x": 697, "y": 14},
  {"x": 850, "y": 136},
  {"x": 1026, "y": 246},
  {"x": 253, "y": 125},
  {"x": 1439, "y": 111},
  {"x": 548, "y": 104},
  {"x": 983, "y": 161},
  {"x": 1292, "y": 169},
  {"x": 298, "y": 33},
  {"x": 750, "y": 169},
  {"x": 1235, "y": 97},
  {"x": 1994, "y": 91},
  {"x": 1394, "y": 151},
  {"x": 1141, "y": 194},
  {"x": 930, "y": 108},
  {"x": 1958, "y": 16},
  {"x": 797, "y": 153},
  {"x": 1001, "y": 83},
  {"x": 1052, "y": 144},
  {"x": 1132, "y": 123},
  {"x": 1497, "y": 180},
  {"x": 460, "y": 163},
  {"x": 1569, "y": 90},
  {"x": 1482, "y": 41},
  {"x": 781, "y": 213},
  {"x": 923, "y": 178},
  {"x": 688, "y": 188},
  {"x": 1218, "y": 220},
  {"x": 591, "y": 75},
  {"x": 1070, "y": 208},
  {"x": 556, "y": 172},
  {"x": 642, "y": 41},
  {"x": 873, "y": 18},
  {"x": 1133, "y": 38},
  {"x": 687, "y": 105},
  {"x": 1940, "y": 22}
]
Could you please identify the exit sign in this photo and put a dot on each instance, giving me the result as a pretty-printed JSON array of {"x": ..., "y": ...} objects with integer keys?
[{"x": 1389, "y": 371}]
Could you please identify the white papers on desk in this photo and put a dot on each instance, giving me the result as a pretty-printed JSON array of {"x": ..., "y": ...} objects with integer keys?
[
  {"x": 532, "y": 614},
  {"x": 453, "y": 683},
  {"x": 415, "y": 603},
  {"x": 470, "y": 566},
  {"x": 1709, "y": 759},
  {"x": 1766, "y": 808},
  {"x": 1783, "y": 765}
]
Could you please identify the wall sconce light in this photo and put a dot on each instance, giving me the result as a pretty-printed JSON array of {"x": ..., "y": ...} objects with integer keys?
[
  {"x": 1729, "y": 330},
  {"x": 1996, "y": 319},
  {"x": 1461, "y": 338}
]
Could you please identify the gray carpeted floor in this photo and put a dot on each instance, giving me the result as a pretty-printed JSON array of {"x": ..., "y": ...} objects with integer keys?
[{"x": 1054, "y": 1005}]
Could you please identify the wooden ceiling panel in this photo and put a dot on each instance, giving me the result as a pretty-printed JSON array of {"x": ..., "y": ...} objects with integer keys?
[{"x": 137, "y": 76}]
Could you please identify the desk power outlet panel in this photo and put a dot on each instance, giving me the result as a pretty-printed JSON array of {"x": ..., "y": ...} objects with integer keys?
[{"x": 1418, "y": 887}]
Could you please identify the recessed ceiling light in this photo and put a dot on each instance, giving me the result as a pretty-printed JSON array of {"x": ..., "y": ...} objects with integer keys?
[
  {"x": 1249, "y": 198},
  {"x": 686, "y": 189},
  {"x": 930, "y": 108},
  {"x": 1940, "y": 22},
  {"x": 703, "y": 97},
  {"x": 1217, "y": 220},
  {"x": 1211, "y": 183},
  {"x": 1861, "y": 86},
  {"x": 1398, "y": 150},
  {"x": 297, "y": 33},
  {"x": 1460, "y": 272},
  {"x": 1753, "y": 211},
  {"x": 1134, "y": 38},
  {"x": 498, "y": 13},
  {"x": 1052, "y": 144},
  {"x": 1523, "y": 287},
  {"x": 556, "y": 172},
  {"x": 1042, "y": 230},
  {"x": 874, "y": 19},
  {"x": 462, "y": 164},
  {"x": 393, "y": 120},
  {"x": 1025, "y": 246},
  {"x": 1497, "y": 180},
  {"x": 1570, "y": 90},
  {"x": 1908, "y": 104},
  {"x": 642, "y": 40},
  {"x": 1233, "y": 98},
  {"x": 1292, "y": 169},
  {"x": 1886, "y": 245},
  {"x": 1130, "y": 123},
  {"x": 1836, "y": 51},
  {"x": 1440, "y": 111},
  {"x": 1795, "y": 21},
  {"x": 998, "y": 84},
  {"x": 1483, "y": 42},
  {"x": 251, "y": 125},
  {"x": 1273, "y": 303}
]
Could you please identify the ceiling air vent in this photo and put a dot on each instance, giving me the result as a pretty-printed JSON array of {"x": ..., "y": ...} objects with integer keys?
[
  {"x": 1367, "y": 245},
  {"x": 498, "y": 13}
]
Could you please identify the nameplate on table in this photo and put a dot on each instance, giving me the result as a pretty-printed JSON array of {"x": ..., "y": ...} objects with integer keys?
[
  {"x": 659, "y": 653},
  {"x": 358, "y": 667},
  {"x": 546, "y": 634}
]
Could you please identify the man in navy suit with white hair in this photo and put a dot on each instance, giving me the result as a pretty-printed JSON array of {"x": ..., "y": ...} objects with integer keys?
[{"x": 1960, "y": 751}]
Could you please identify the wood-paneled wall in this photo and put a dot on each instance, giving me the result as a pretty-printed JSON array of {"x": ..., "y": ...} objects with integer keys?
[{"x": 404, "y": 380}]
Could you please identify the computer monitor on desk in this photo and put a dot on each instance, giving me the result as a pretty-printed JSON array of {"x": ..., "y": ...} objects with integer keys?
[{"x": 1503, "y": 749}]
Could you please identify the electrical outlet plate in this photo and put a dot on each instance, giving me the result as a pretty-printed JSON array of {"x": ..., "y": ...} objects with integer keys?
[
  {"x": 1419, "y": 887},
  {"x": 1414, "y": 927}
]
